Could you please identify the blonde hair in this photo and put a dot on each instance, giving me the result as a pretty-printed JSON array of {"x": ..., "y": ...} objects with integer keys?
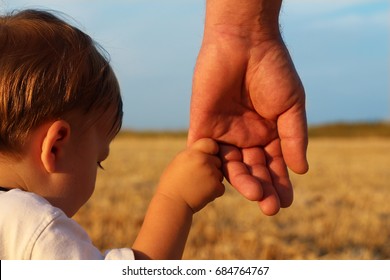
[{"x": 49, "y": 68}]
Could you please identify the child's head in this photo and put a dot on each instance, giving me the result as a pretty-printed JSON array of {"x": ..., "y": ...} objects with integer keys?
[
  {"x": 60, "y": 107},
  {"x": 49, "y": 69}
]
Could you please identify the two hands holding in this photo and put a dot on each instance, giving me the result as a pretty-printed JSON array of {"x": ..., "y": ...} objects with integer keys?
[
  {"x": 248, "y": 97},
  {"x": 251, "y": 101},
  {"x": 247, "y": 124}
]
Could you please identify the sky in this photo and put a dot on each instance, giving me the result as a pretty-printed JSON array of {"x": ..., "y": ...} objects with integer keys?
[{"x": 341, "y": 50}]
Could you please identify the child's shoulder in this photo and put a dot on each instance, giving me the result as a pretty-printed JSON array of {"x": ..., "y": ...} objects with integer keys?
[
  {"x": 16, "y": 203},
  {"x": 23, "y": 218}
]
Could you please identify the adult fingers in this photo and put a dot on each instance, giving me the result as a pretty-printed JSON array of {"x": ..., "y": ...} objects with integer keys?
[
  {"x": 292, "y": 129},
  {"x": 238, "y": 174},
  {"x": 256, "y": 161},
  {"x": 279, "y": 174}
]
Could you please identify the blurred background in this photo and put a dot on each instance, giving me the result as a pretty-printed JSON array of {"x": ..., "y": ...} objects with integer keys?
[{"x": 340, "y": 49}]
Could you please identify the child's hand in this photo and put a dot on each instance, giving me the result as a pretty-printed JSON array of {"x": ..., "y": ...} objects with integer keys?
[
  {"x": 194, "y": 176},
  {"x": 192, "y": 180}
]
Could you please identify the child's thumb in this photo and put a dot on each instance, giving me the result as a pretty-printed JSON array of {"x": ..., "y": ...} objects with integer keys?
[{"x": 206, "y": 145}]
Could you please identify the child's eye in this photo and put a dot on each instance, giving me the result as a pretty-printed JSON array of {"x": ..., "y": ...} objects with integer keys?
[{"x": 100, "y": 165}]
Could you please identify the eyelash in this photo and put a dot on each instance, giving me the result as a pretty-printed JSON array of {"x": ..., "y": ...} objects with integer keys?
[{"x": 99, "y": 163}]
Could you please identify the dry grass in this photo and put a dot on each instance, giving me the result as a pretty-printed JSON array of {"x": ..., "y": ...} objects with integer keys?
[{"x": 341, "y": 208}]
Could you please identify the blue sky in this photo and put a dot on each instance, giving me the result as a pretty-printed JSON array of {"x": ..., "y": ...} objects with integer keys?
[{"x": 341, "y": 50}]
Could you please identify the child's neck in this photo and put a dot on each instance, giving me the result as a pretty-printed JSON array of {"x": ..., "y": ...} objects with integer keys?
[{"x": 10, "y": 176}]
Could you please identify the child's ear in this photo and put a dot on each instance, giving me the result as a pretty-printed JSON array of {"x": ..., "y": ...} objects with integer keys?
[{"x": 54, "y": 144}]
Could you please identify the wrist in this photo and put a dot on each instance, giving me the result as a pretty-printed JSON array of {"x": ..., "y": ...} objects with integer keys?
[
  {"x": 251, "y": 20},
  {"x": 175, "y": 201}
]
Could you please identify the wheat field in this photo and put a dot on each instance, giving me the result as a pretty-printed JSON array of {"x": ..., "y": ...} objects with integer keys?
[{"x": 341, "y": 208}]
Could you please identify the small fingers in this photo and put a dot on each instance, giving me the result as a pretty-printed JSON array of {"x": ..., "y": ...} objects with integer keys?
[{"x": 219, "y": 190}]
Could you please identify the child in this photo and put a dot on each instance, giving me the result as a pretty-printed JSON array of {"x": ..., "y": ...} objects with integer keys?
[{"x": 60, "y": 107}]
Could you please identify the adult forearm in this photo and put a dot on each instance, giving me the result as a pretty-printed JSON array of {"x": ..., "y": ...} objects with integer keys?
[{"x": 243, "y": 17}]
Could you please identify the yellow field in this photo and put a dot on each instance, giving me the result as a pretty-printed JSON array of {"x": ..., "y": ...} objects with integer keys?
[{"x": 341, "y": 208}]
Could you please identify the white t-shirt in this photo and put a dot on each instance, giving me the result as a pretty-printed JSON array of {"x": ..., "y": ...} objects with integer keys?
[{"x": 31, "y": 228}]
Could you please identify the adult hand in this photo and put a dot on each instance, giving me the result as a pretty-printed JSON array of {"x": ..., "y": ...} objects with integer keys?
[{"x": 248, "y": 96}]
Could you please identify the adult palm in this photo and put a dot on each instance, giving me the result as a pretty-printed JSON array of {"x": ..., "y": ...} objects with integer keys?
[{"x": 249, "y": 97}]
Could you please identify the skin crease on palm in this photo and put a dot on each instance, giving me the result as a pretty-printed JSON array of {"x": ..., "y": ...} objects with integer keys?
[{"x": 248, "y": 96}]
